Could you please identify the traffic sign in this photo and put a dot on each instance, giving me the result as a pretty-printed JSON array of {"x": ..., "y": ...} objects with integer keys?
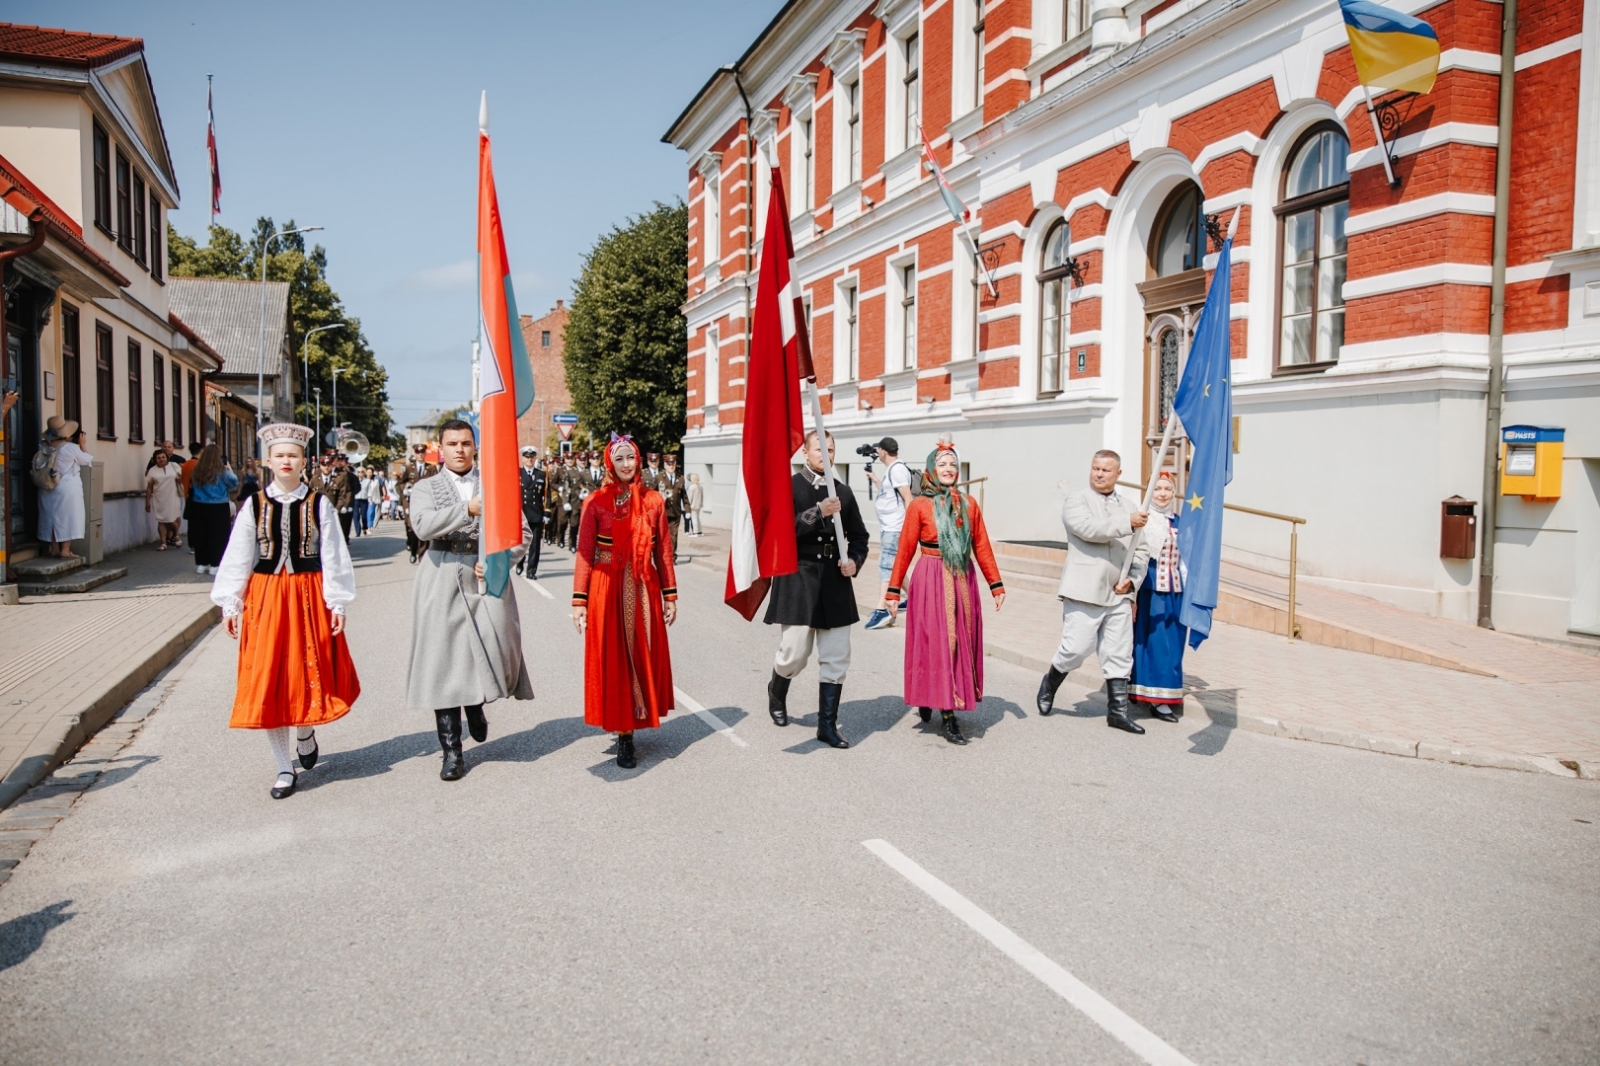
[
  {"x": 564, "y": 420},
  {"x": 565, "y": 429}
]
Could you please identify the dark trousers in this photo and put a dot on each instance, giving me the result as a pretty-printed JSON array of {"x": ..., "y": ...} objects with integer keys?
[
  {"x": 209, "y": 525},
  {"x": 530, "y": 562},
  {"x": 344, "y": 523}
]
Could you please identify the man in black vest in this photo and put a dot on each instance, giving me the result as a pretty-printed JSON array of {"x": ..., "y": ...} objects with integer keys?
[
  {"x": 817, "y": 605},
  {"x": 532, "y": 509}
]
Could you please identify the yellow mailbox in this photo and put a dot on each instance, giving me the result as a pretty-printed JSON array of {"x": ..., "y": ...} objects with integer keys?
[{"x": 1530, "y": 462}]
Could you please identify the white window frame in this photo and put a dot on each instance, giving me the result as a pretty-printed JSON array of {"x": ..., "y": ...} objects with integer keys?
[
  {"x": 898, "y": 355},
  {"x": 711, "y": 377},
  {"x": 764, "y": 130},
  {"x": 800, "y": 98},
  {"x": 711, "y": 215},
  {"x": 844, "y": 59},
  {"x": 847, "y": 330}
]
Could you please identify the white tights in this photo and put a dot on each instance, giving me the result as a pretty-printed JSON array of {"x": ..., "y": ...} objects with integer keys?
[{"x": 284, "y": 745}]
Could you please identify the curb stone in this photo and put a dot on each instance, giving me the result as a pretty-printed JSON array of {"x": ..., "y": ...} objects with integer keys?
[
  {"x": 73, "y": 729},
  {"x": 1375, "y": 742}
]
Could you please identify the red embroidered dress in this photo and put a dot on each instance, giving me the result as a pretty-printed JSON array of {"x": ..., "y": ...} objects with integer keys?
[{"x": 624, "y": 574}]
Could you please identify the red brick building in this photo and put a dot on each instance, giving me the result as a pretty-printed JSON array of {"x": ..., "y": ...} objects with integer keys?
[
  {"x": 1094, "y": 140},
  {"x": 544, "y": 338}
]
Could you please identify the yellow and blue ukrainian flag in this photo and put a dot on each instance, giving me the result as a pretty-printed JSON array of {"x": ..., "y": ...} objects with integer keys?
[{"x": 1391, "y": 50}]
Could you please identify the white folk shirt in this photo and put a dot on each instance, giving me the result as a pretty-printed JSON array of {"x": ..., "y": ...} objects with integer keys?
[
  {"x": 466, "y": 484},
  {"x": 240, "y": 557}
]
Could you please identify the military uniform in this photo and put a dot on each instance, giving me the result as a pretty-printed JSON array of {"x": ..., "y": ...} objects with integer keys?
[
  {"x": 416, "y": 469},
  {"x": 532, "y": 479},
  {"x": 673, "y": 488},
  {"x": 567, "y": 505}
]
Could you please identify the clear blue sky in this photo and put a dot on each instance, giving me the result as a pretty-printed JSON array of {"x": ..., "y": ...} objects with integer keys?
[{"x": 363, "y": 118}]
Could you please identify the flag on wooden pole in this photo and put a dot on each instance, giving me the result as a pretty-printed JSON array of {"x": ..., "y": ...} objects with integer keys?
[
  {"x": 211, "y": 152},
  {"x": 780, "y": 355},
  {"x": 505, "y": 379}
]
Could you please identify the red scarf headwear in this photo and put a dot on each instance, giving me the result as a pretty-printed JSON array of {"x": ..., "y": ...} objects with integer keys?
[{"x": 635, "y": 524}]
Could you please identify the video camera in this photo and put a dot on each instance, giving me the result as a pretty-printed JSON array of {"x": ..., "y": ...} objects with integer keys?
[{"x": 869, "y": 452}]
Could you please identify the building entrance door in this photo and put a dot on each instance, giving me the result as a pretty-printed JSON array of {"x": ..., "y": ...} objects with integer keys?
[
  {"x": 1173, "y": 294},
  {"x": 21, "y": 372},
  {"x": 1166, "y": 344}
]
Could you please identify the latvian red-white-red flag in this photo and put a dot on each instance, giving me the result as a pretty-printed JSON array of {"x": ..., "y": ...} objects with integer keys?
[{"x": 780, "y": 355}]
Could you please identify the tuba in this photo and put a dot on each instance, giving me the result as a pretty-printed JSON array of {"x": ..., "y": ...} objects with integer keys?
[{"x": 353, "y": 446}]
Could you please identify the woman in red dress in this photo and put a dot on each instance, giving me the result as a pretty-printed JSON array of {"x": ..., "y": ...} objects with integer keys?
[{"x": 624, "y": 595}]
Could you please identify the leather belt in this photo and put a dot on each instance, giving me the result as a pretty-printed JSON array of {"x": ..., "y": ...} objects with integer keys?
[{"x": 454, "y": 547}]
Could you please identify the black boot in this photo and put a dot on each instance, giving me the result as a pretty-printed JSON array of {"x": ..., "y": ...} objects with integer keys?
[
  {"x": 1117, "y": 706},
  {"x": 477, "y": 724},
  {"x": 952, "y": 729},
  {"x": 778, "y": 698},
  {"x": 828, "y": 714},
  {"x": 1047, "y": 691},
  {"x": 925, "y": 713},
  {"x": 449, "y": 722},
  {"x": 625, "y": 757}
]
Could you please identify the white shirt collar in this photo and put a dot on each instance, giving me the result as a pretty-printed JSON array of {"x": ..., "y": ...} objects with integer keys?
[
  {"x": 278, "y": 494},
  {"x": 468, "y": 476}
]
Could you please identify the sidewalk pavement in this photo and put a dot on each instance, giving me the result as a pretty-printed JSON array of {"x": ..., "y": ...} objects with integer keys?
[
  {"x": 71, "y": 662},
  {"x": 1542, "y": 715}
]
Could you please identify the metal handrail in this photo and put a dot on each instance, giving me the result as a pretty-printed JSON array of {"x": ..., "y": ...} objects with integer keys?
[
  {"x": 978, "y": 481},
  {"x": 1294, "y": 549}
]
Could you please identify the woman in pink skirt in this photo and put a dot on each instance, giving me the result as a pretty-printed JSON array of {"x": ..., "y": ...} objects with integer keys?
[{"x": 944, "y": 627}]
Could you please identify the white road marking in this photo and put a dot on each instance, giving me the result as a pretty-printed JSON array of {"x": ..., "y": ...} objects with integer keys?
[
  {"x": 688, "y": 702},
  {"x": 541, "y": 590},
  {"x": 1102, "y": 1012}
]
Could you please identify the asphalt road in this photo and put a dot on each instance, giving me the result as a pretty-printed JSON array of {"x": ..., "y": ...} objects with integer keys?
[{"x": 1235, "y": 898}]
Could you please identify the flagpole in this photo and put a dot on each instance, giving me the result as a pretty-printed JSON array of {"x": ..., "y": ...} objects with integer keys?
[
  {"x": 827, "y": 462},
  {"x": 1377, "y": 132},
  {"x": 1172, "y": 422},
  {"x": 477, "y": 383}
]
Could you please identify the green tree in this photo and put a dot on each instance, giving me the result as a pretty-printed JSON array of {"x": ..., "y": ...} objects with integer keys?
[
  {"x": 627, "y": 352},
  {"x": 363, "y": 382}
]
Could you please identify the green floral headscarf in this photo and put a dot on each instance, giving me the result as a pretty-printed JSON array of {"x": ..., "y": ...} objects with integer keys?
[{"x": 949, "y": 513}]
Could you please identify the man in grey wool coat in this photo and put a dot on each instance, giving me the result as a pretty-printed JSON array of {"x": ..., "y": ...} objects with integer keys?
[
  {"x": 1096, "y": 600},
  {"x": 466, "y": 646}
]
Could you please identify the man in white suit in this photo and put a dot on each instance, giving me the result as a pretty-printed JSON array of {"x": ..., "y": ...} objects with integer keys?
[{"x": 1096, "y": 600}]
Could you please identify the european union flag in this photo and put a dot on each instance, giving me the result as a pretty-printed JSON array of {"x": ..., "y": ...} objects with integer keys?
[{"x": 1204, "y": 402}]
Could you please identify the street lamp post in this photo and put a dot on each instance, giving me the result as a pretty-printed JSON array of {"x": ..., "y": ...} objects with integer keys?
[
  {"x": 319, "y": 417},
  {"x": 305, "y": 351},
  {"x": 261, "y": 334},
  {"x": 336, "y": 372}
]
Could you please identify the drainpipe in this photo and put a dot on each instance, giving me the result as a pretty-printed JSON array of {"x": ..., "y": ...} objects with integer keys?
[
  {"x": 35, "y": 242},
  {"x": 1497, "y": 318},
  {"x": 749, "y": 205}
]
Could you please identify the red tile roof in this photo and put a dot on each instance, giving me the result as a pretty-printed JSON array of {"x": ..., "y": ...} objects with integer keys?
[
  {"x": 26, "y": 197},
  {"x": 65, "y": 47}
]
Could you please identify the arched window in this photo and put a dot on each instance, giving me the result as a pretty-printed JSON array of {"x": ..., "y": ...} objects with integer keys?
[
  {"x": 1055, "y": 316},
  {"x": 1181, "y": 244},
  {"x": 1315, "y": 204}
]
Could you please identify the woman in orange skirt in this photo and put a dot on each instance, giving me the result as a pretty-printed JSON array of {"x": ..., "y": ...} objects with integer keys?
[
  {"x": 283, "y": 585},
  {"x": 624, "y": 595}
]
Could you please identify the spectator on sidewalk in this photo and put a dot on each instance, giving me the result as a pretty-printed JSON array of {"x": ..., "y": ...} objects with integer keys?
[
  {"x": 210, "y": 486},
  {"x": 163, "y": 498},
  {"x": 250, "y": 482},
  {"x": 1096, "y": 600},
  {"x": 1158, "y": 636},
  {"x": 62, "y": 517},
  {"x": 695, "y": 496},
  {"x": 892, "y": 495}
]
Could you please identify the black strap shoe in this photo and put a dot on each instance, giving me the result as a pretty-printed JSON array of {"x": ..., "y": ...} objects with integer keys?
[
  {"x": 449, "y": 723},
  {"x": 828, "y": 697},
  {"x": 1117, "y": 706},
  {"x": 778, "y": 699},
  {"x": 952, "y": 728},
  {"x": 1047, "y": 691},
  {"x": 308, "y": 759},
  {"x": 477, "y": 724},
  {"x": 284, "y": 791},
  {"x": 1161, "y": 711},
  {"x": 625, "y": 757}
]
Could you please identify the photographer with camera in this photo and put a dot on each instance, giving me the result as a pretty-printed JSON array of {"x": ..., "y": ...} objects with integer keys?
[{"x": 891, "y": 495}]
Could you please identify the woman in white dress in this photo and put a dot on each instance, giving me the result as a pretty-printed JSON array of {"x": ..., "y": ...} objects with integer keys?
[
  {"x": 62, "y": 519},
  {"x": 163, "y": 497}
]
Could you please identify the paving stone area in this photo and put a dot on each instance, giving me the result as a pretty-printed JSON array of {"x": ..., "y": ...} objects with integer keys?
[
  {"x": 72, "y": 661},
  {"x": 1543, "y": 716}
]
